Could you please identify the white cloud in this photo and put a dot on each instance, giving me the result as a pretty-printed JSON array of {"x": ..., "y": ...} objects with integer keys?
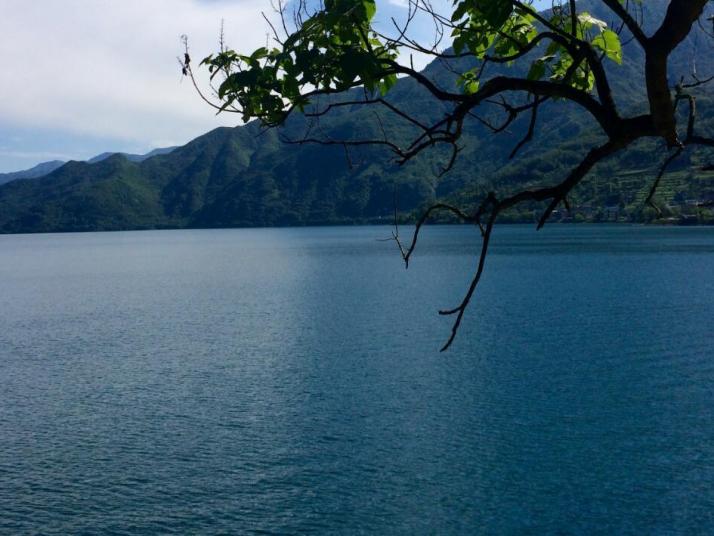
[
  {"x": 108, "y": 67},
  {"x": 84, "y": 76}
]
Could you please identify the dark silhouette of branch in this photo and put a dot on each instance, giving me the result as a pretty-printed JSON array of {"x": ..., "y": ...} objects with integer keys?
[
  {"x": 627, "y": 19},
  {"x": 531, "y": 129},
  {"x": 492, "y": 207},
  {"x": 653, "y": 189},
  {"x": 407, "y": 252},
  {"x": 459, "y": 311}
]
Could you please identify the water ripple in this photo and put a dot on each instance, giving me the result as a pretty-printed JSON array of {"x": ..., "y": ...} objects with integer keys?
[{"x": 288, "y": 381}]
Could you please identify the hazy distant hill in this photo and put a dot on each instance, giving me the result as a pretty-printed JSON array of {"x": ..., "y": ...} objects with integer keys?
[
  {"x": 246, "y": 177},
  {"x": 40, "y": 170},
  {"x": 45, "y": 168},
  {"x": 132, "y": 157}
]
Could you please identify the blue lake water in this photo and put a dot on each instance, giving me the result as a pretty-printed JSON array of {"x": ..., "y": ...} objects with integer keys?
[{"x": 289, "y": 381}]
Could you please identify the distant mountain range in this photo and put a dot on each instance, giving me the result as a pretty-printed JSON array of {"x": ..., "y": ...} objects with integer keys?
[
  {"x": 245, "y": 176},
  {"x": 40, "y": 170},
  {"x": 45, "y": 168},
  {"x": 132, "y": 157}
]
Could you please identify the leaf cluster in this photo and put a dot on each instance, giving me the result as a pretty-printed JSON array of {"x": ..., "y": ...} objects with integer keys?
[{"x": 331, "y": 51}]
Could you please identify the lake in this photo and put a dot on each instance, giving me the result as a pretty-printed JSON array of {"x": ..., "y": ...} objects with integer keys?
[{"x": 289, "y": 381}]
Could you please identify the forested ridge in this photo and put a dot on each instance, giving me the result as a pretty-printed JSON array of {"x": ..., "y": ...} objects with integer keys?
[{"x": 250, "y": 176}]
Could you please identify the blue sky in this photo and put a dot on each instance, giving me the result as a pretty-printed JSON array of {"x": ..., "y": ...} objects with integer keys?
[{"x": 82, "y": 77}]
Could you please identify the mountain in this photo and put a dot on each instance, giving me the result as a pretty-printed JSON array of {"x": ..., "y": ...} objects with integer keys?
[
  {"x": 40, "y": 170},
  {"x": 246, "y": 176},
  {"x": 45, "y": 168},
  {"x": 132, "y": 157}
]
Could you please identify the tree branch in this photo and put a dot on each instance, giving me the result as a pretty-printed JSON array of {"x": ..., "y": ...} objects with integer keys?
[{"x": 629, "y": 21}]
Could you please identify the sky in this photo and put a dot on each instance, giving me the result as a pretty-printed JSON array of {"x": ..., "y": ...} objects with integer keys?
[{"x": 81, "y": 77}]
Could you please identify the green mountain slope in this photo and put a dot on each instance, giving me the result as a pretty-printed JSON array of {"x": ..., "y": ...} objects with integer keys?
[{"x": 244, "y": 176}]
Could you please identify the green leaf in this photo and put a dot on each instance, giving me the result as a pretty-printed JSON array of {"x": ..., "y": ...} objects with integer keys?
[
  {"x": 460, "y": 11},
  {"x": 609, "y": 42},
  {"x": 370, "y": 8},
  {"x": 469, "y": 82},
  {"x": 387, "y": 83},
  {"x": 588, "y": 21},
  {"x": 496, "y": 12},
  {"x": 537, "y": 70},
  {"x": 259, "y": 53},
  {"x": 471, "y": 87}
]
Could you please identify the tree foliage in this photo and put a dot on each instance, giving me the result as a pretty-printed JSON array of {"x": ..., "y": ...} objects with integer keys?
[{"x": 561, "y": 54}]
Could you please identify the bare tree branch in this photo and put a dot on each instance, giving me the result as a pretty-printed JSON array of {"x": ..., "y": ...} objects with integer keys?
[{"x": 628, "y": 20}]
